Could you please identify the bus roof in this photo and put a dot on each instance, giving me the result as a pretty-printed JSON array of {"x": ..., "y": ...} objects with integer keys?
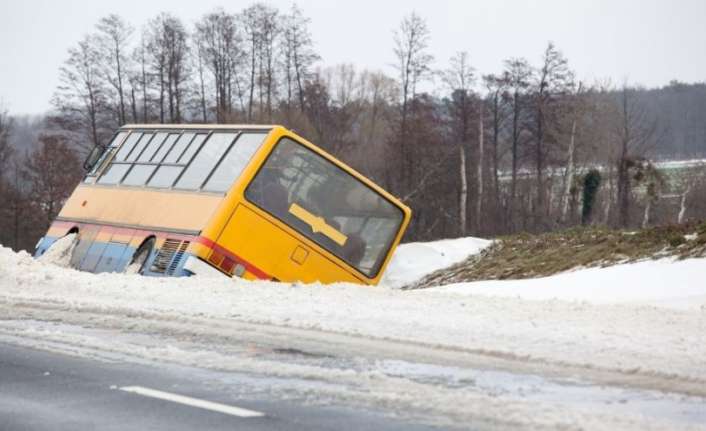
[{"x": 200, "y": 126}]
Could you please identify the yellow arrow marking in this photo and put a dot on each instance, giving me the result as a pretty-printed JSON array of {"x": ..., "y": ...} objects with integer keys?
[{"x": 318, "y": 224}]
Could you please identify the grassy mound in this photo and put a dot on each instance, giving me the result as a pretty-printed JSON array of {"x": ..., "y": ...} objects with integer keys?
[{"x": 529, "y": 256}]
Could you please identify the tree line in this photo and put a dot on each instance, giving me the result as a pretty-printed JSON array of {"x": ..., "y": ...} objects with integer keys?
[{"x": 528, "y": 147}]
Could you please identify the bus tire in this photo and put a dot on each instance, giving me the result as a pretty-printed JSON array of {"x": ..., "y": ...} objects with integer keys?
[
  {"x": 61, "y": 251},
  {"x": 139, "y": 258}
]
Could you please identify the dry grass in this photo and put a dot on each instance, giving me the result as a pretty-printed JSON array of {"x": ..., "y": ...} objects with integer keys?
[{"x": 529, "y": 256}]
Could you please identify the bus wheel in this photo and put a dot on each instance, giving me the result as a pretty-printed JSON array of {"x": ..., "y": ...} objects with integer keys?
[
  {"x": 139, "y": 259},
  {"x": 61, "y": 251}
]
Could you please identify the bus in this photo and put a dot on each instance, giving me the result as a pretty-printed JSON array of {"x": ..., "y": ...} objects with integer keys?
[{"x": 256, "y": 202}]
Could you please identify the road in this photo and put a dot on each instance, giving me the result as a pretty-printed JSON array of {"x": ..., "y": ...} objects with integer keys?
[
  {"x": 50, "y": 391},
  {"x": 68, "y": 367}
]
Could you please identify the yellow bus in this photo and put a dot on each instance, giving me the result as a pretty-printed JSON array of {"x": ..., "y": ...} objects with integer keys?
[{"x": 257, "y": 202}]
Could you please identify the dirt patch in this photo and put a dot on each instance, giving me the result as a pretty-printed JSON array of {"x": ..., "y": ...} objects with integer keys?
[{"x": 530, "y": 256}]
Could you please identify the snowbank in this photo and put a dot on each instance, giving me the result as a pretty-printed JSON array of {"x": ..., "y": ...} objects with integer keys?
[
  {"x": 629, "y": 337},
  {"x": 414, "y": 260},
  {"x": 664, "y": 283}
]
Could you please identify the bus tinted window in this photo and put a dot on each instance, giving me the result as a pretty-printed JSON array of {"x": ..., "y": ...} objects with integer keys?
[
  {"x": 326, "y": 204},
  {"x": 114, "y": 173},
  {"x": 117, "y": 140},
  {"x": 211, "y": 152},
  {"x": 141, "y": 144},
  {"x": 165, "y": 176},
  {"x": 152, "y": 148},
  {"x": 178, "y": 148},
  {"x": 138, "y": 175},
  {"x": 127, "y": 146},
  {"x": 234, "y": 162},
  {"x": 191, "y": 149},
  {"x": 164, "y": 149}
]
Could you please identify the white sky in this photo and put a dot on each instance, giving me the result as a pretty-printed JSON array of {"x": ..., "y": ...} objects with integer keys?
[{"x": 648, "y": 42}]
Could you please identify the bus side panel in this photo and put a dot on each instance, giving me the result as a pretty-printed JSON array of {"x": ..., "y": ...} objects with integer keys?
[
  {"x": 117, "y": 247},
  {"x": 110, "y": 259},
  {"x": 86, "y": 235},
  {"x": 105, "y": 248},
  {"x": 96, "y": 249},
  {"x": 279, "y": 254}
]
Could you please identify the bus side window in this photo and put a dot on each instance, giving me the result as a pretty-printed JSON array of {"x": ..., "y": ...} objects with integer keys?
[
  {"x": 191, "y": 149},
  {"x": 204, "y": 161},
  {"x": 164, "y": 149},
  {"x": 152, "y": 148},
  {"x": 232, "y": 165},
  {"x": 179, "y": 147},
  {"x": 141, "y": 144},
  {"x": 127, "y": 146}
]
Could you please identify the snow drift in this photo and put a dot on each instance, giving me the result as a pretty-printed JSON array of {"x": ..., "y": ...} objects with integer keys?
[{"x": 594, "y": 318}]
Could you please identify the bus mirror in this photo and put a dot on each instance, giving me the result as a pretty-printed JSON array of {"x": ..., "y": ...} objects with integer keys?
[{"x": 92, "y": 158}]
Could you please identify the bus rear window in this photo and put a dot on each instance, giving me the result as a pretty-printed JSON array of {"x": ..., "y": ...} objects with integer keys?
[{"x": 326, "y": 204}]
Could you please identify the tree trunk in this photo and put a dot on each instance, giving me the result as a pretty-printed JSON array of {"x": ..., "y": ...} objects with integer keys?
[
  {"x": 539, "y": 161},
  {"x": 161, "y": 94},
  {"x": 133, "y": 102},
  {"x": 464, "y": 191},
  {"x": 646, "y": 216},
  {"x": 569, "y": 172},
  {"x": 481, "y": 158},
  {"x": 120, "y": 84},
  {"x": 144, "y": 85},
  {"x": 623, "y": 193},
  {"x": 609, "y": 199},
  {"x": 496, "y": 130},
  {"x": 682, "y": 206},
  {"x": 515, "y": 143},
  {"x": 252, "y": 81}
]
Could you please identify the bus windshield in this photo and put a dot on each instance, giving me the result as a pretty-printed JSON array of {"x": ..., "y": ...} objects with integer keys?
[{"x": 326, "y": 204}]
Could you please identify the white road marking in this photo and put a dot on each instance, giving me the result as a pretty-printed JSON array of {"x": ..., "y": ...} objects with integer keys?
[{"x": 194, "y": 402}]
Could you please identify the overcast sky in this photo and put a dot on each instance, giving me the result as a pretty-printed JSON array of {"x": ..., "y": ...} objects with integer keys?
[{"x": 649, "y": 42}]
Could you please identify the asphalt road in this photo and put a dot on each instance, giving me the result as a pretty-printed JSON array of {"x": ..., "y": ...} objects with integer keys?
[{"x": 40, "y": 390}]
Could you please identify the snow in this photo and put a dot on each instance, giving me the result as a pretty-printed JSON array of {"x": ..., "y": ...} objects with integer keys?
[
  {"x": 644, "y": 321},
  {"x": 412, "y": 261},
  {"x": 662, "y": 283},
  {"x": 59, "y": 253},
  {"x": 572, "y": 318}
]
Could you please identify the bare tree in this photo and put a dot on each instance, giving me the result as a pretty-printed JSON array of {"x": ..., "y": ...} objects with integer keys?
[
  {"x": 52, "y": 172},
  {"x": 81, "y": 95},
  {"x": 6, "y": 151},
  {"x": 553, "y": 80},
  {"x": 140, "y": 78},
  {"x": 251, "y": 18},
  {"x": 168, "y": 51},
  {"x": 635, "y": 131},
  {"x": 298, "y": 55},
  {"x": 113, "y": 40},
  {"x": 517, "y": 75},
  {"x": 413, "y": 65},
  {"x": 269, "y": 34},
  {"x": 575, "y": 108},
  {"x": 218, "y": 42},
  {"x": 495, "y": 88},
  {"x": 413, "y": 60},
  {"x": 459, "y": 77},
  {"x": 261, "y": 29}
]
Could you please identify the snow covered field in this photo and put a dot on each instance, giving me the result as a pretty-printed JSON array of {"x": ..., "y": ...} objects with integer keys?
[{"x": 641, "y": 325}]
